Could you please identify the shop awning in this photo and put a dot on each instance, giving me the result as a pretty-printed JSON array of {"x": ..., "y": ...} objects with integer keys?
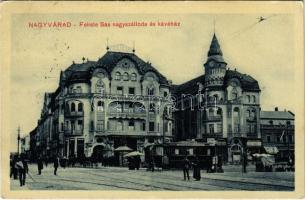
[
  {"x": 271, "y": 149},
  {"x": 123, "y": 148}
]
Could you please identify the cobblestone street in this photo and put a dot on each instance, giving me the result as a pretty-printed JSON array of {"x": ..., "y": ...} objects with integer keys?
[{"x": 114, "y": 178}]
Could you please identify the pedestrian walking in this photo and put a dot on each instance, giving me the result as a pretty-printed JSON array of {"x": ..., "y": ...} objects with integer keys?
[
  {"x": 56, "y": 164},
  {"x": 13, "y": 171},
  {"x": 186, "y": 167},
  {"x": 137, "y": 162},
  {"x": 46, "y": 160},
  {"x": 39, "y": 165},
  {"x": 196, "y": 171},
  {"x": 23, "y": 169}
]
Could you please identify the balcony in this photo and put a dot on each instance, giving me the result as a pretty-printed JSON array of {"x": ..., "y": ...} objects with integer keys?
[
  {"x": 126, "y": 115},
  {"x": 74, "y": 114},
  {"x": 213, "y": 118},
  {"x": 70, "y": 132},
  {"x": 213, "y": 135},
  {"x": 277, "y": 127},
  {"x": 130, "y": 97},
  {"x": 126, "y": 132},
  {"x": 98, "y": 131},
  {"x": 252, "y": 135},
  {"x": 234, "y": 134}
]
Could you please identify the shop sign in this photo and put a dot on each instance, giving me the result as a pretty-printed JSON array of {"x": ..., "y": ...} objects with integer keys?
[{"x": 254, "y": 143}]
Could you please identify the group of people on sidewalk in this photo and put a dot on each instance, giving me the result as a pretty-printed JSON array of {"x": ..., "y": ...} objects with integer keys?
[
  {"x": 40, "y": 164},
  {"x": 19, "y": 167}
]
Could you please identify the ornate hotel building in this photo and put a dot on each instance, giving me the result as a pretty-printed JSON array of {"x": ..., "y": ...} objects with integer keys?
[
  {"x": 220, "y": 108},
  {"x": 119, "y": 100}
]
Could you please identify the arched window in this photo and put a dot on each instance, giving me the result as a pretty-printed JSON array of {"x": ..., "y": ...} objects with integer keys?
[
  {"x": 165, "y": 111},
  {"x": 133, "y": 77},
  {"x": 253, "y": 113},
  {"x": 72, "y": 107},
  {"x": 236, "y": 120},
  {"x": 248, "y": 113},
  {"x": 211, "y": 112},
  {"x": 125, "y": 76},
  {"x": 100, "y": 106},
  {"x": 219, "y": 112},
  {"x": 152, "y": 107},
  {"x": 234, "y": 94},
  {"x": 254, "y": 99},
  {"x": 117, "y": 76},
  {"x": 215, "y": 97},
  {"x": 80, "y": 107},
  {"x": 79, "y": 89},
  {"x": 248, "y": 99},
  {"x": 67, "y": 107},
  {"x": 100, "y": 87},
  {"x": 150, "y": 91}
]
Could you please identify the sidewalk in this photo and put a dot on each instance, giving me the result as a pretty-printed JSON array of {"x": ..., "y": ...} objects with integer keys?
[{"x": 15, "y": 185}]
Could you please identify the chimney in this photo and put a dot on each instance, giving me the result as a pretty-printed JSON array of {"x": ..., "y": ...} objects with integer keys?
[{"x": 276, "y": 109}]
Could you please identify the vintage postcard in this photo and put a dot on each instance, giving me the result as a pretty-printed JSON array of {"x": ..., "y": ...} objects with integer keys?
[{"x": 149, "y": 99}]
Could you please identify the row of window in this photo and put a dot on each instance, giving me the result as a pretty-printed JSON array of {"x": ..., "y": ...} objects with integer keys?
[
  {"x": 75, "y": 107},
  {"x": 125, "y": 76},
  {"x": 70, "y": 147},
  {"x": 279, "y": 139},
  {"x": 251, "y": 99},
  {"x": 251, "y": 113},
  {"x": 211, "y": 128},
  {"x": 118, "y": 126},
  {"x": 214, "y": 99},
  {"x": 100, "y": 88},
  {"x": 287, "y": 122},
  {"x": 73, "y": 125}
]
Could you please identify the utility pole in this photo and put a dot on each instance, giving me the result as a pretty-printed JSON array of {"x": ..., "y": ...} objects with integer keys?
[{"x": 18, "y": 139}]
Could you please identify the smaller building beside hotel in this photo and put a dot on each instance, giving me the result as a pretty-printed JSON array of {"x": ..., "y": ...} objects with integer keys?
[{"x": 277, "y": 128}]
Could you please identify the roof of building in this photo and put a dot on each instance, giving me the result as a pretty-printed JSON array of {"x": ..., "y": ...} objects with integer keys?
[
  {"x": 82, "y": 72},
  {"x": 247, "y": 81},
  {"x": 276, "y": 115},
  {"x": 111, "y": 58},
  {"x": 191, "y": 87}
]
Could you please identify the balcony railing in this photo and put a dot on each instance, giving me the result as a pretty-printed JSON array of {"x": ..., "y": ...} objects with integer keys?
[
  {"x": 263, "y": 126},
  {"x": 213, "y": 135},
  {"x": 126, "y": 115},
  {"x": 74, "y": 114},
  {"x": 252, "y": 135},
  {"x": 234, "y": 133},
  {"x": 70, "y": 132},
  {"x": 130, "y": 97},
  {"x": 213, "y": 118}
]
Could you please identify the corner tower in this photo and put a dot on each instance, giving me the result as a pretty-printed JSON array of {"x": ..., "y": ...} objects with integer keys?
[{"x": 215, "y": 66}]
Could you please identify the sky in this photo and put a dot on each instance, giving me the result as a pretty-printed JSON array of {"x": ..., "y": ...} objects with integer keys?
[{"x": 263, "y": 50}]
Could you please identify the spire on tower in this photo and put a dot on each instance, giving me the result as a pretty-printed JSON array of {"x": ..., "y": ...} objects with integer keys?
[{"x": 214, "y": 47}]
